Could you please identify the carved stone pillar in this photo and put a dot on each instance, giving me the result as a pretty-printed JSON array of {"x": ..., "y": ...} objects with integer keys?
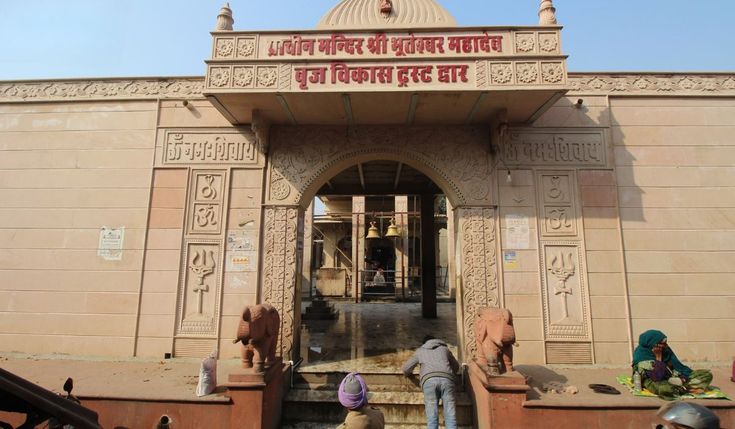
[
  {"x": 282, "y": 246},
  {"x": 306, "y": 286},
  {"x": 401, "y": 219},
  {"x": 428, "y": 258},
  {"x": 451, "y": 244},
  {"x": 479, "y": 288},
  {"x": 358, "y": 242}
]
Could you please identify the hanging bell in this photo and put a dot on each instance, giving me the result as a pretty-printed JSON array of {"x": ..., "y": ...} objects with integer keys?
[
  {"x": 373, "y": 232},
  {"x": 392, "y": 230}
]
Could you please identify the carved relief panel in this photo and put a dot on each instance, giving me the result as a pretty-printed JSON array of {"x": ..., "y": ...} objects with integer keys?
[
  {"x": 565, "y": 297},
  {"x": 198, "y": 304},
  {"x": 202, "y": 262},
  {"x": 207, "y": 197},
  {"x": 280, "y": 271},
  {"x": 557, "y": 194},
  {"x": 479, "y": 267},
  {"x": 562, "y": 268},
  {"x": 208, "y": 147},
  {"x": 560, "y": 148}
]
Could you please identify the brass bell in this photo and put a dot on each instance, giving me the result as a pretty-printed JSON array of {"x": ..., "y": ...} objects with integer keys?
[
  {"x": 392, "y": 230},
  {"x": 373, "y": 232}
]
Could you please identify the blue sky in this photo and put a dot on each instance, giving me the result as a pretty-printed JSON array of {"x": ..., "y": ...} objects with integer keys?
[{"x": 105, "y": 38}]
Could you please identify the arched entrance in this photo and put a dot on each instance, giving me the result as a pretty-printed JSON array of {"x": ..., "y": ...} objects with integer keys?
[{"x": 456, "y": 158}]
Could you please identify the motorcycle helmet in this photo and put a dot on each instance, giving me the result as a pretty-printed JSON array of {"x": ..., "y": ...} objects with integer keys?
[{"x": 687, "y": 415}]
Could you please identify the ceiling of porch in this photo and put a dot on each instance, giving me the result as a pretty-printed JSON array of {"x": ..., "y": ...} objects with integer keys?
[
  {"x": 379, "y": 178},
  {"x": 461, "y": 107}
]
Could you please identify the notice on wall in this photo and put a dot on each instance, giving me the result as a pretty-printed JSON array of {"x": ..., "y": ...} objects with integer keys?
[
  {"x": 517, "y": 232},
  {"x": 242, "y": 254},
  {"x": 510, "y": 259},
  {"x": 241, "y": 261},
  {"x": 241, "y": 240},
  {"x": 110, "y": 246}
]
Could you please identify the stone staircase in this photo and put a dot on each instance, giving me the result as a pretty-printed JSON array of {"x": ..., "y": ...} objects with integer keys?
[
  {"x": 319, "y": 309},
  {"x": 312, "y": 402}
]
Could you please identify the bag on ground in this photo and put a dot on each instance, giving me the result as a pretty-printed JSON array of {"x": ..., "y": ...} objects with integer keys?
[{"x": 207, "y": 375}]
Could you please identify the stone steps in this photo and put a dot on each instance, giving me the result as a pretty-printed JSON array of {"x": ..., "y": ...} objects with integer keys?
[
  {"x": 325, "y": 425},
  {"x": 313, "y": 401},
  {"x": 319, "y": 309}
]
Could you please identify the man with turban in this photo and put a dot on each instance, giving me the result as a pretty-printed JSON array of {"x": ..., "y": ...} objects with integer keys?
[{"x": 353, "y": 395}]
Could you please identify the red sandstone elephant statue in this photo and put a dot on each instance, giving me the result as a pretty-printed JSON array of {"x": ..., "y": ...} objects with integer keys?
[
  {"x": 258, "y": 332},
  {"x": 495, "y": 335}
]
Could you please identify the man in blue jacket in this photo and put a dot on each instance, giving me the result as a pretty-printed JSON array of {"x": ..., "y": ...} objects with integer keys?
[{"x": 438, "y": 367}]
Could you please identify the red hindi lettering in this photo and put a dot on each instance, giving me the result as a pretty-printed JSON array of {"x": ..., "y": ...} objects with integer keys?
[
  {"x": 306, "y": 75},
  {"x": 378, "y": 44},
  {"x": 273, "y": 48},
  {"x": 381, "y": 74},
  {"x": 422, "y": 74},
  {"x": 450, "y": 73},
  {"x": 402, "y": 75},
  {"x": 296, "y": 46},
  {"x": 340, "y": 73},
  {"x": 318, "y": 75},
  {"x": 300, "y": 77},
  {"x": 359, "y": 74},
  {"x": 496, "y": 43},
  {"x": 475, "y": 44},
  {"x": 340, "y": 43}
]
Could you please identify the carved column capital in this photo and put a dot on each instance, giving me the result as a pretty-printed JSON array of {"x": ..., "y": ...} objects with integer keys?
[{"x": 261, "y": 127}]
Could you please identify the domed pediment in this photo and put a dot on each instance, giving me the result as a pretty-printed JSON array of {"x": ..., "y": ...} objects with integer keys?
[{"x": 366, "y": 14}]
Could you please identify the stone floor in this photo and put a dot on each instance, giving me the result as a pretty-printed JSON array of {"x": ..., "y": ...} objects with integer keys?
[{"x": 373, "y": 336}]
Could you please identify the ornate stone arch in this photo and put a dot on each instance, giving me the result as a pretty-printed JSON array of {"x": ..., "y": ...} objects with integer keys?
[
  {"x": 455, "y": 158},
  {"x": 301, "y": 159}
]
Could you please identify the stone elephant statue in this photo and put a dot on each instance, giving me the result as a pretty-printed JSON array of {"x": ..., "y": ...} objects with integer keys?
[
  {"x": 258, "y": 332},
  {"x": 495, "y": 336}
]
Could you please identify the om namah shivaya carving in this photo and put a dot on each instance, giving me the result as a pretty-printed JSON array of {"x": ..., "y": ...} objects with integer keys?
[
  {"x": 258, "y": 332},
  {"x": 495, "y": 337}
]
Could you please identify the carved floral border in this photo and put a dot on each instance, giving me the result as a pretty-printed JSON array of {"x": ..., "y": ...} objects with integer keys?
[
  {"x": 658, "y": 84},
  {"x": 478, "y": 228},
  {"x": 94, "y": 89},
  {"x": 634, "y": 84},
  {"x": 280, "y": 248}
]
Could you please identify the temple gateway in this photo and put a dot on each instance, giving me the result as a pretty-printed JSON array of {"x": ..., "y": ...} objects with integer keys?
[{"x": 384, "y": 175}]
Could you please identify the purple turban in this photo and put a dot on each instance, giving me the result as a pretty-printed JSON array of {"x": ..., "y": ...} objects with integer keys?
[{"x": 353, "y": 392}]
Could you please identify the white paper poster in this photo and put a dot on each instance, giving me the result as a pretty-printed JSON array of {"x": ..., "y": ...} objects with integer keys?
[
  {"x": 111, "y": 243},
  {"x": 517, "y": 232}
]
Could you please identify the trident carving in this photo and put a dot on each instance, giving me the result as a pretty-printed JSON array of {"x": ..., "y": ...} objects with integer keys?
[
  {"x": 202, "y": 265},
  {"x": 562, "y": 267}
]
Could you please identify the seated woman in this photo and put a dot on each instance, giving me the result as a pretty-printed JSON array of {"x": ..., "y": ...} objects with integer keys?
[{"x": 662, "y": 373}]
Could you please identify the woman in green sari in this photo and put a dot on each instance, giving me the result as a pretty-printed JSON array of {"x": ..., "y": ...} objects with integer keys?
[{"x": 662, "y": 372}]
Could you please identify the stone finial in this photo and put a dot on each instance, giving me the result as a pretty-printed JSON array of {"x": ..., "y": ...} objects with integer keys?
[
  {"x": 386, "y": 7},
  {"x": 547, "y": 13},
  {"x": 224, "y": 19}
]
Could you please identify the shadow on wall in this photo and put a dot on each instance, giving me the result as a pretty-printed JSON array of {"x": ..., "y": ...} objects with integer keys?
[
  {"x": 536, "y": 376},
  {"x": 630, "y": 195}
]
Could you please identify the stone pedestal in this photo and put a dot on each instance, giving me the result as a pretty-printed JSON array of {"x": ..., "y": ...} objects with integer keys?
[
  {"x": 257, "y": 398},
  {"x": 498, "y": 399}
]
